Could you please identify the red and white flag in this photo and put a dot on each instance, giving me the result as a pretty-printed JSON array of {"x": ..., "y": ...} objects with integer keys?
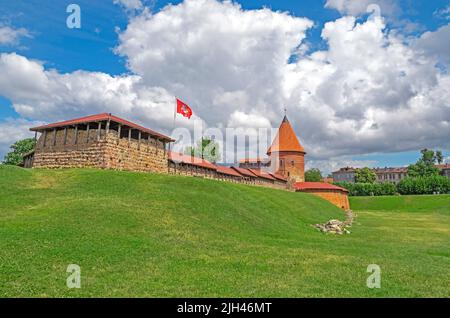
[{"x": 183, "y": 109}]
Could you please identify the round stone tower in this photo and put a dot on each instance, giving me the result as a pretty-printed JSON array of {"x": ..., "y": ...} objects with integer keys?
[{"x": 286, "y": 154}]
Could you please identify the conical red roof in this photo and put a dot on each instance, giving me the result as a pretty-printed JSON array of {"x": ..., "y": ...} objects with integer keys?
[{"x": 285, "y": 140}]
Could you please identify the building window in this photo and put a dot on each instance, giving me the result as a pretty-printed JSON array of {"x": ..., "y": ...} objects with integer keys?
[{"x": 293, "y": 163}]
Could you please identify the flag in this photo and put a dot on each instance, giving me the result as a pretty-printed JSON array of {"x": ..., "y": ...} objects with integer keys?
[{"x": 183, "y": 109}]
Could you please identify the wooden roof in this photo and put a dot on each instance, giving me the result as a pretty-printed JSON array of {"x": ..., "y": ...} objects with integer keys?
[
  {"x": 102, "y": 117},
  {"x": 186, "y": 159},
  {"x": 228, "y": 171}
]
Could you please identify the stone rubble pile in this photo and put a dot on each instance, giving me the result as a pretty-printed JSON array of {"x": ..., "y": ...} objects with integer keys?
[{"x": 336, "y": 226}]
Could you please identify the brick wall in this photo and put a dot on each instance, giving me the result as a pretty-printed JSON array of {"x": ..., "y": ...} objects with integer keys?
[
  {"x": 337, "y": 197},
  {"x": 289, "y": 164}
]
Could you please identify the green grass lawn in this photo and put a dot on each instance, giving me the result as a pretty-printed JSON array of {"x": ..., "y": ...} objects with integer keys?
[{"x": 145, "y": 235}]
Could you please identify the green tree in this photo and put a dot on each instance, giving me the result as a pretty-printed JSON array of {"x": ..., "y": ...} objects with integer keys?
[
  {"x": 365, "y": 175},
  {"x": 206, "y": 148},
  {"x": 439, "y": 157},
  {"x": 18, "y": 149},
  {"x": 313, "y": 175},
  {"x": 424, "y": 167}
]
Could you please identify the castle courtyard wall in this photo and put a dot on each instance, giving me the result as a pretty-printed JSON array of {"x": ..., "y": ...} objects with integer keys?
[
  {"x": 78, "y": 148},
  {"x": 73, "y": 148}
]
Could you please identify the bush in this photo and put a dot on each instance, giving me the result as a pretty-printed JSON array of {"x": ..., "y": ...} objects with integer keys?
[
  {"x": 313, "y": 175},
  {"x": 424, "y": 185},
  {"x": 368, "y": 189}
]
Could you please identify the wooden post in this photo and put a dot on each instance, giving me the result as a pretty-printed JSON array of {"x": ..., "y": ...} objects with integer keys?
[
  {"x": 54, "y": 136},
  {"x": 76, "y": 135},
  {"x": 107, "y": 126},
  {"x": 129, "y": 135},
  {"x": 119, "y": 131},
  {"x": 65, "y": 135},
  {"x": 45, "y": 139},
  {"x": 156, "y": 145},
  {"x": 35, "y": 139},
  {"x": 139, "y": 140},
  {"x": 87, "y": 133},
  {"x": 99, "y": 130},
  {"x": 164, "y": 145},
  {"x": 149, "y": 140}
]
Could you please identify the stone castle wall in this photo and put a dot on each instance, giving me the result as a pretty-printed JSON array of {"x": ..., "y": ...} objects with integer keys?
[{"x": 74, "y": 149}]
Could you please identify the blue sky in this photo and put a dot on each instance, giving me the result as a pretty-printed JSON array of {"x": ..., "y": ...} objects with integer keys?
[{"x": 92, "y": 48}]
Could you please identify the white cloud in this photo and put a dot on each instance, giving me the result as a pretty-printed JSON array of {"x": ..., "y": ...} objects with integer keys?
[
  {"x": 436, "y": 43},
  {"x": 10, "y": 36},
  {"x": 207, "y": 52},
  {"x": 130, "y": 4},
  {"x": 333, "y": 164},
  {"x": 359, "y": 7},
  {"x": 12, "y": 130},
  {"x": 370, "y": 91},
  {"x": 443, "y": 13}
]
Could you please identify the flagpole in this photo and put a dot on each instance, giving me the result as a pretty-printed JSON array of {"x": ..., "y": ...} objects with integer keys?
[{"x": 174, "y": 114}]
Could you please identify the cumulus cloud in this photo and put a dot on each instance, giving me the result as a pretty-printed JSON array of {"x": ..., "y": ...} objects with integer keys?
[
  {"x": 443, "y": 13},
  {"x": 130, "y": 4},
  {"x": 211, "y": 53},
  {"x": 48, "y": 95},
  {"x": 333, "y": 164},
  {"x": 369, "y": 91},
  {"x": 10, "y": 36},
  {"x": 435, "y": 43},
  {"x": 359, "y": 7},
  {"x": 12, "y": 130}
]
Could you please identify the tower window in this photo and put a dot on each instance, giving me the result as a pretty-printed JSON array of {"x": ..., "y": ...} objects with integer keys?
[{"x": 293, "y": 163}]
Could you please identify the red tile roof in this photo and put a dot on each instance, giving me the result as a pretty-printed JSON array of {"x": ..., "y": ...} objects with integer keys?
[
  {"x": 443, "y": 166},
  {"x": 102, "y": 117},
  {"x": 316, "y": 186},
  {"x": 285, "y": 140},
  {"x": 261, "y": 174},
  {"x": 254, "y": 160},
  {"x": 278, "y": 176},
  {"x": 244, "y": 172},
  {"x": 199, "y": 162},
  {"x": 228, "y": 171}
]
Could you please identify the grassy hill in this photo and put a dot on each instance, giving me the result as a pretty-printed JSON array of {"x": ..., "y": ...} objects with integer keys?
[
  {"x": 136, "y": 234},
  {"x": 404, "y": 203}
]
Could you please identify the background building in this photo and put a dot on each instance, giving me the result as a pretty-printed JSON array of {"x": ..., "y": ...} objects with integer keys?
[
  {"x": 392, "y": 175},
  {"x": 387, "y": 174},
  {"x": 346, "y": 174}
]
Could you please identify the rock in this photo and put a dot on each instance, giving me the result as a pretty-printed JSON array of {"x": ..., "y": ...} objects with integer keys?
[{"x": 336, "y": 226}]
